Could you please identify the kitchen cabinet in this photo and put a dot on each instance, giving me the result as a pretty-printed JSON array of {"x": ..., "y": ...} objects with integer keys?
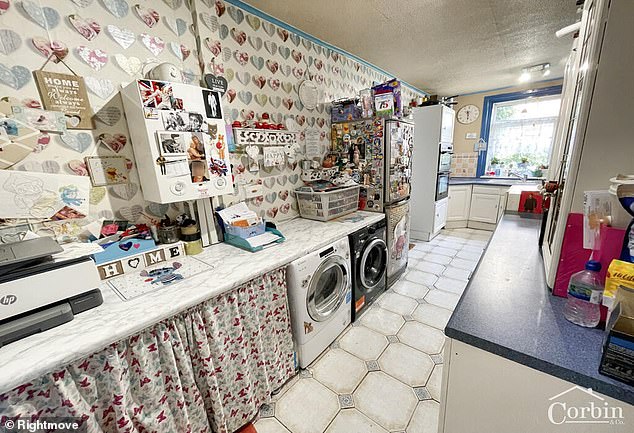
[
  {"x": 475, "y": 206},
  {"x": 459, "y": 203},
  {"x": 484, "y": 208},
  {"x": 440, "y": 214}
]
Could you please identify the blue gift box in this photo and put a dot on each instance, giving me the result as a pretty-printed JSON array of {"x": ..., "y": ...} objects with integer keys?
[{"x": 124, "y": 248}]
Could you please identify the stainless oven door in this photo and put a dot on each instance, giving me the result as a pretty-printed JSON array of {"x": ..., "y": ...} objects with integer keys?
[
  {"x": 444, "y": 162},
  {"x": 442, "y": 186}
]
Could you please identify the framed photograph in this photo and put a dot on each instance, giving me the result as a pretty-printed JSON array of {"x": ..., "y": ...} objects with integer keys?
[
  {"x": 182, "y": 121},
  {"x": 43, "y": 120},
  {"x": 173, "y": 143},
  {"x": 199, "y": 171},
  {"x": 107, "y": 170},
  {"x": 196, "y": 147},
  {"x": 212, "y": 104},
  {"x": 159, "y": 95}
]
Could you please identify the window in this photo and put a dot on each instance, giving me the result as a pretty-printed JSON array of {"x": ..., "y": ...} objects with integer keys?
[
  {"x": 521, "y": 135},
  {"x": 519, "y": 130}
]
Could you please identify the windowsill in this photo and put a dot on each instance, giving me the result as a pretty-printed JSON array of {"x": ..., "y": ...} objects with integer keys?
[{"x": 511, "y": 177}]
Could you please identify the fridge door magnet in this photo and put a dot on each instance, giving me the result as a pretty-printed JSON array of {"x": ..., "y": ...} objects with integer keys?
[
  {"x": 173, "y": 143},
  {"x": 65, "y": 93},
  {"x": 107, "y": 170}
]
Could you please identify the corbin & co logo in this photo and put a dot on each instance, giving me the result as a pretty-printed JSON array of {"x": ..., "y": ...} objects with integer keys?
[{"x": 593, "y": 409}]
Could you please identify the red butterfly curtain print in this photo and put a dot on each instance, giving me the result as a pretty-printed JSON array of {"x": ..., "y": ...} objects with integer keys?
[{"x": 214, "y": 365}]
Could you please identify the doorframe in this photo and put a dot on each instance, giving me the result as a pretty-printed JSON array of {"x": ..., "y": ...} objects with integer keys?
[{"x": 487, "y": 112}]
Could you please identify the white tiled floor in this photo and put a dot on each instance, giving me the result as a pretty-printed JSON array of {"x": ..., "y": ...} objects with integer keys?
[{"x": 383, "y": 374}]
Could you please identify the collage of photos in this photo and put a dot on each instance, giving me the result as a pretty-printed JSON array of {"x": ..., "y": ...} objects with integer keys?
[{"x": 190, "y": 143}]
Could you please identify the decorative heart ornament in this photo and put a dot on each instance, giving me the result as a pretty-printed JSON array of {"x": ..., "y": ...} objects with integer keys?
[
  {"x": 123, "y": 37},
  {"x": 131, "y": 65},
  {"x": 109, "y": 115},
  {"x": 153, "y": 43},
  {"x": 9, "y": 41},
  {"x": 101, "y": 87},
  {"x": 45, "y": 17},
  {"x": 15, "y": 77},
  {"x": 96, "y": 195},
  {"x": 94, "y": 58},
  {"x": 118, "y": 8},
  {"x": 87, "y": 27},
  {"x": 125, "y": 191},
  {"x": 114, "y": 142},
  {"x": 78, "y": 142},
  {"x": 180, "y": 50},
  {"x": 149, "y": 16}
]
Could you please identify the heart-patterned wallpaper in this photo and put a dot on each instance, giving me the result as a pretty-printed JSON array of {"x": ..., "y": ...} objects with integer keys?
[{"x": 108, "y": 42}]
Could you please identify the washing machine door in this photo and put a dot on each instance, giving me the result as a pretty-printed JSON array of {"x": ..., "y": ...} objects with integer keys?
[
  {"x": 373, "y": 264},
  {"x": 328, "y": 288}
]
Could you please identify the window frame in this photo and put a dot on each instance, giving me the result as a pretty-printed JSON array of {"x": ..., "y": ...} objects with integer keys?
[{"x": 487, "y": 113}]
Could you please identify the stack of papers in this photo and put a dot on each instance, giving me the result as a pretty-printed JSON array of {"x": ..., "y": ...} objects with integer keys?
[
  {"x": 263, "y": 239},
  {"x": 239, "y": 215}
]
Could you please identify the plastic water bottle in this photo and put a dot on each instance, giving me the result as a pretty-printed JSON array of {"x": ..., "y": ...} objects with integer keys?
[{"x": 585, "y": 293}]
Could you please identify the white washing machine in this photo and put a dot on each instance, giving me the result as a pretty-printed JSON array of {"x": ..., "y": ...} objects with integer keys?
[{"x": 319, "y": 295}]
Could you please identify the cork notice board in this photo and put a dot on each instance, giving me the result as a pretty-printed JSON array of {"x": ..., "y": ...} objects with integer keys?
[{"x": 65, "y": 93}]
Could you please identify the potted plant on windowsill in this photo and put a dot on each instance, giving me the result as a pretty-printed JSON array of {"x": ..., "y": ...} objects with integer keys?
[
  {"x": 495, "y": 166},
  {"x": 523, "y": 163}
]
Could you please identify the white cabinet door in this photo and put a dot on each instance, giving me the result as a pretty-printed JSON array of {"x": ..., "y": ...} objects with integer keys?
[
  {"x": 484, "y": 208},
  {"x": 459, "y": 203},
  {"x": 502, "y": 205},
  {"x": 440, "y": 214}
]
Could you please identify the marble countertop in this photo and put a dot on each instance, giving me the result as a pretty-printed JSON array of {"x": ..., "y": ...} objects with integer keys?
[
  {"x": 491, "y": 181},
  {"x": 115, "y": 319},
  {"x": 508, "y": 310}
]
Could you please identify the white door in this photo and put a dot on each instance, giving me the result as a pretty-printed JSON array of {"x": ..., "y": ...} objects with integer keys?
[
  {"x": 484, "y": 208},
  {"x": 440, "y": 214},
  {"x": 459, "y": 203}
]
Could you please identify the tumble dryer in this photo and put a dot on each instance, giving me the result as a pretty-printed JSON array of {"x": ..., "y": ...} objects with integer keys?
[
  {"x": 319, "y": 295},
  {"x": 369, "y": 266}
]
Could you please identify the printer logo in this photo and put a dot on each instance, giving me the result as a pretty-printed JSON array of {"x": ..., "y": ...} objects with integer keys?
[{"x": 8, "y": 299}]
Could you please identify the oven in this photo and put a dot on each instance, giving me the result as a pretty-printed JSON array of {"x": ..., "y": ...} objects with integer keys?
[
  {"x": 444, "y": 159},
  {"x": 442, "y": 185}
]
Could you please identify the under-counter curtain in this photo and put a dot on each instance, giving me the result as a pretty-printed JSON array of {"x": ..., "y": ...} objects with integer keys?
[{"x": 208, "y": 369}]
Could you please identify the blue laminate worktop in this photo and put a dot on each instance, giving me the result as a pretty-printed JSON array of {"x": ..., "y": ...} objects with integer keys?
[{"x": 507, "y": 310}]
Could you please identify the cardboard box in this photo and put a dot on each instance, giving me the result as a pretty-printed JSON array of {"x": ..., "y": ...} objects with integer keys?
[{"x": 617, "y": 360}]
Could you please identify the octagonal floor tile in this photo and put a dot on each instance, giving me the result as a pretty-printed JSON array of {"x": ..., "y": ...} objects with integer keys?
[
  {"x": 339, "y": 371},
  {"x": 443, "y": 299},
  {"x": 422, "y": 337},
  {"x": 353, "y": 421},
  {"x": 363, "y": 343},
  {"x": 432, "y": 315},
  {"x": 270, "y": 425},
  {"x": 308, "y": 407},
  {"x": 384, "y": 321},
  {"x": 406, "y": 364},
  {"x": 398, "y": 303},
  {"x": 435, "y": 381},
  {"x": 385, "y": 400},
  {"x": 411, "y": 289},
  {"x": 425, "y": 419},
  {"x": 420, "y": 277}
]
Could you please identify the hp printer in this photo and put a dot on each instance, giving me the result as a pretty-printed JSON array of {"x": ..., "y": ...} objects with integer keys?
[{"x": 39, "y": 292}]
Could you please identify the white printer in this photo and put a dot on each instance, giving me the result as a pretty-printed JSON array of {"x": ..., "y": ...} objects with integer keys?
[{"x": 38, "y": 292}]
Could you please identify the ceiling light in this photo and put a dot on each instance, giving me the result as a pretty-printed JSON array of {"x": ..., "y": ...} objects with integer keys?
[
  {"x": 525, "y": 77},
  {"x": 527, "y": 73}
]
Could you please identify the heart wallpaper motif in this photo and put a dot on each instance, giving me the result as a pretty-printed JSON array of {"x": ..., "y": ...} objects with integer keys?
[
  {"x": 264, "y": 64},
  {"x": 109, "y": 42}
]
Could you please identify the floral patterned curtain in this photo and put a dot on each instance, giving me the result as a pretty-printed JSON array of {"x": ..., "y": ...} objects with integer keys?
[{"x": 207, "y": 369}]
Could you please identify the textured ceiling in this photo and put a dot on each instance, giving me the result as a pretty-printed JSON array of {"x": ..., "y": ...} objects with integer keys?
[{"x": 444, "y": 47}]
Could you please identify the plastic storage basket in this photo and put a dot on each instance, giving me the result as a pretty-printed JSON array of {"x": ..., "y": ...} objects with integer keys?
[{"x": 324, "y": 206}]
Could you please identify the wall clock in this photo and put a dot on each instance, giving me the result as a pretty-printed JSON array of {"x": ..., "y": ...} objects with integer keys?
[
  {"x": 468, "y": 114},
  {"x": 308, "y": 94}
]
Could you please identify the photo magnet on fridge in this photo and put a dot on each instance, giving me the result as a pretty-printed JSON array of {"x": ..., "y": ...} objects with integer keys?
[
  {"x": 173, "y": 143},
  {"x": 212, "y": 104}
]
